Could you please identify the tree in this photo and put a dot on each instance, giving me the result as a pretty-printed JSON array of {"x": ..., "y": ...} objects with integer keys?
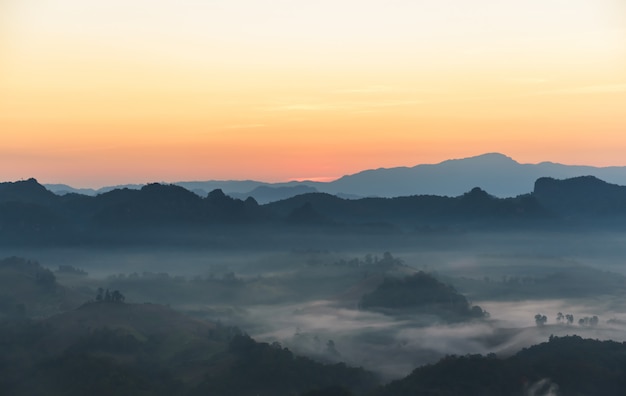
[
  {"x": 332, "y": 349},
  {"x": 569, "y": 318},
  {"x": 540, "y": 319},
  {"x": 117, "y": 297},
  {"x": 560, "y": 317}
]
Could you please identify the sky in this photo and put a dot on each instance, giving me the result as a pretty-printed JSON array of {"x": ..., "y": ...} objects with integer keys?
[{"x": 103, "y": 92}]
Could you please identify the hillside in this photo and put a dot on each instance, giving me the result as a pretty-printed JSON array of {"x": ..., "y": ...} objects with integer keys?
[
  {"x": 421, "y": 293},
  {"x": 106, "y": 348},
  {"x": 564, "y": 366},
  {"x": 29, "y": 290}
]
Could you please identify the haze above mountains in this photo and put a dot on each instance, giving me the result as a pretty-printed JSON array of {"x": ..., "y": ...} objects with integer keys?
[{"x": 498, "y": 174}]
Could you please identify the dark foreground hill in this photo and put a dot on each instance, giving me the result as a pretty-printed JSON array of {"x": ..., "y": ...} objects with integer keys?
[
  {"x": 563, "y": 366},
  {"x": 125, "y": 349},
  {"x": 585, "y": 196},
  {"x": 114, "y": 348}
]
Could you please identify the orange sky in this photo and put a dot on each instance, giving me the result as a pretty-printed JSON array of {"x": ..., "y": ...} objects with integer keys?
[{"x": 106, "y": 92}]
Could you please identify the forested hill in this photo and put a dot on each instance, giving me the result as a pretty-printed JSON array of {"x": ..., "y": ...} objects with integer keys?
[
  {"x": 565, "y": 366},
  {"x": 115, "y": 348},
  {"x": 31, "y": 214}
]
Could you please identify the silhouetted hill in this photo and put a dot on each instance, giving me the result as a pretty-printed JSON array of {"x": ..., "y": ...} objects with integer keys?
[
  {"x": 475, "y": 207},
  {"x": 421, "y": 292},
  {"x": 494, "y": 172},
  {"x": 581, "y": 196},
  {"x": 564, "y": 366},
  {"x": 26, "y": 191},
  {"x": 500, "y": 175},
  {"x": 29, "y": 214},
  {"x": 63, "y": 189},
  {"x": 154, "y": 204},
  {"x": 166, "y": 205},
  {"x": 264, "y": 194}
]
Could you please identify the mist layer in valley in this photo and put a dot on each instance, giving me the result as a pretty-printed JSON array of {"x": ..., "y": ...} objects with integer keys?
[{"x": 306, "y": 291}]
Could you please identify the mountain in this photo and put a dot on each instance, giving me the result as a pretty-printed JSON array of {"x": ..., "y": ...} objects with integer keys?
[
  {"x": 264, "y": 194},
  {"x": 475, "y": 207},
  {"x": 26, "y": 191},
  {"x": 30, "y": 214},
  {"x": 585, "y": 195},
  {"x": 496, "y": 173}
]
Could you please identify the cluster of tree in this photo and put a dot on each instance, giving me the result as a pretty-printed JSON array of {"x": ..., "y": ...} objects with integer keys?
[
  {"x": 423, "y": 292},
  {"x": 589, "y": 321},
  {"x": 568, "y": 319},
  {"x": 106, "y": 296}
]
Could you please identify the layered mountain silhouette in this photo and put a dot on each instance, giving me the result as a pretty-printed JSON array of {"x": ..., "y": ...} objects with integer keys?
[
  {"x": 496, "y": 173},
  {"x": 29, "y": 213}
]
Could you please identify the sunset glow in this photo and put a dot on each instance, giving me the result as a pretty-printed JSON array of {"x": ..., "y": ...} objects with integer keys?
[{"x": 101, "y": 92}]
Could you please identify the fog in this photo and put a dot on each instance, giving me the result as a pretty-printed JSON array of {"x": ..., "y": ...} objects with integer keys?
[{"x": 304, "y": 291}]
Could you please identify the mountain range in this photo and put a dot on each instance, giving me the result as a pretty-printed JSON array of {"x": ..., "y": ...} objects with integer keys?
[
  {"x": 29, "y": 213},
  {"x": 496, "y": 173}
]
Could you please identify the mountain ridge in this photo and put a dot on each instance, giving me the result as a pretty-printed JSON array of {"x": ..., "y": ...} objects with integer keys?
[{"x": 499, "y": 174}]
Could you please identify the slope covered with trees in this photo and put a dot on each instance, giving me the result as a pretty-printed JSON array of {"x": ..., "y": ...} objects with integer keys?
[{"x": 420, "y": 292}]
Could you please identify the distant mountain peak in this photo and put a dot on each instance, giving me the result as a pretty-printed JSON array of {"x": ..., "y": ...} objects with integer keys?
[{"x": 487, "y": 157}]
